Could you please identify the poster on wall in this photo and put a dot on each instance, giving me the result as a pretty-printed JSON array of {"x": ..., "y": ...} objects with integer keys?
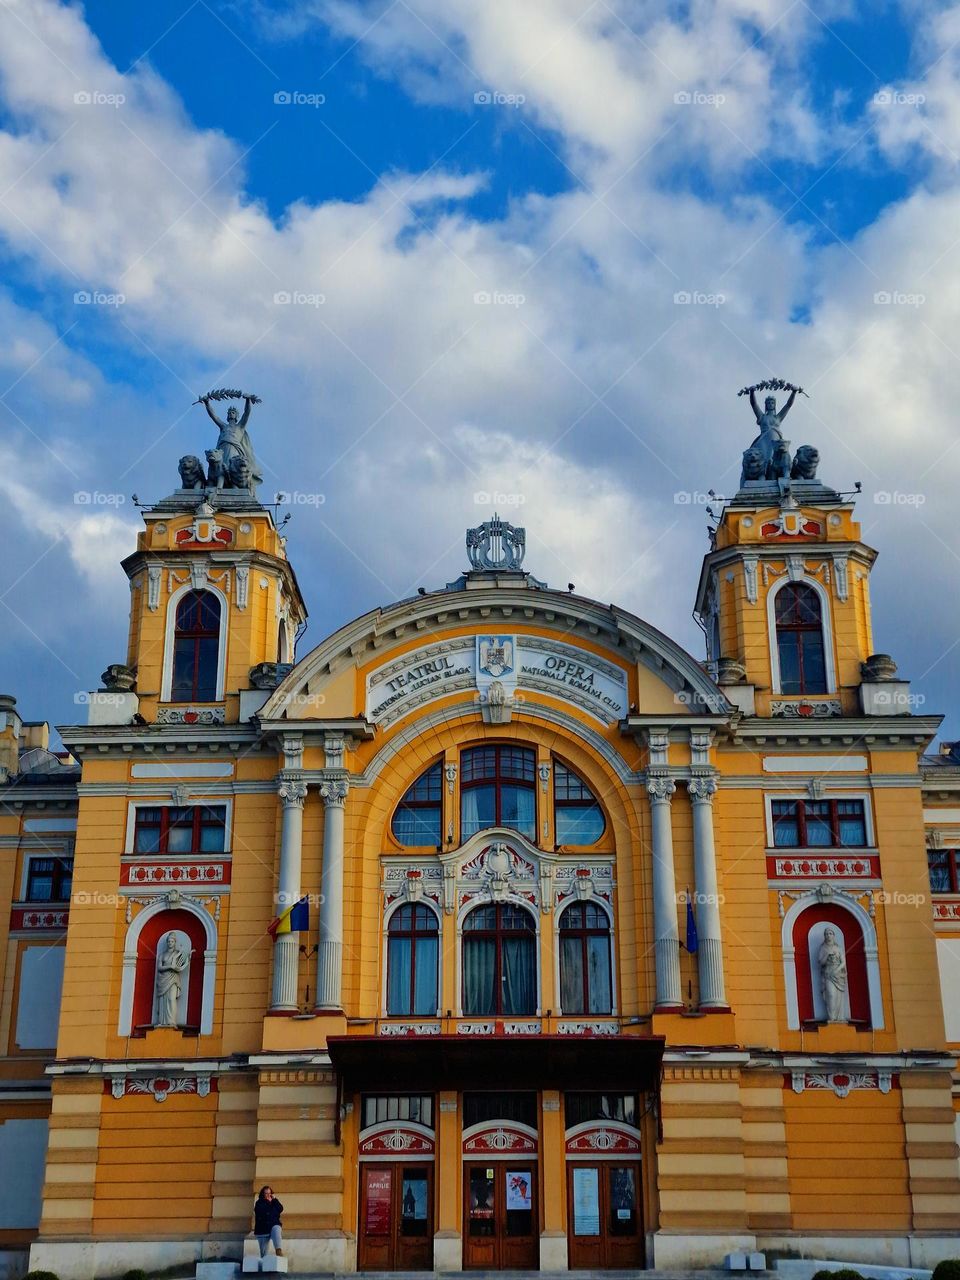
[
  {"x": 586, "y": 1202},
  {"x": 414, "y": 1202},
  {"x": 519, "y": 1189},
  {"x": 377, "y": 1220}
]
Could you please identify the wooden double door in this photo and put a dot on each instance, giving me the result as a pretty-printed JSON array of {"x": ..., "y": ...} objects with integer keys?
[
  {"x": 605, "y": 1228},
  {"x": 501, "y": 1230},
  {"x": 396, "y": 1217}
]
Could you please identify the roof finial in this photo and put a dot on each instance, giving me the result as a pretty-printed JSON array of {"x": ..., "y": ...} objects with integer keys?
[{"x": 496, "y": 546}]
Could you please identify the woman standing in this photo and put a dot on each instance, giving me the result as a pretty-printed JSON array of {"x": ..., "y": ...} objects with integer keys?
[{"x": 266, "y": 1221}]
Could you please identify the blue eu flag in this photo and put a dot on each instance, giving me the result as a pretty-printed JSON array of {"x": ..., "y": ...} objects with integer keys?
[{"x": 692, "y": 942}]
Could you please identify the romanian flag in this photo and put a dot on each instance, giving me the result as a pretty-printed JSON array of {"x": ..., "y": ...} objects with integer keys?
[{"x": 295, "y": 919}]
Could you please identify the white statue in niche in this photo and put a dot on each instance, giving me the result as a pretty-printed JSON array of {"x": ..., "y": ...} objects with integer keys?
[
  {"x": 833, "y": 976},
  {"x": 173, "y": 973}
]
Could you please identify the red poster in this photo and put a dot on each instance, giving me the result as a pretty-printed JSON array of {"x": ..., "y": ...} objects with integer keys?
[{"x": 378, "y": 1202}]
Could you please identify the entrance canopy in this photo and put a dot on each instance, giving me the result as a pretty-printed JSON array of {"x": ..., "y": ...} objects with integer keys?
[{"x": 416, "y": 1063}]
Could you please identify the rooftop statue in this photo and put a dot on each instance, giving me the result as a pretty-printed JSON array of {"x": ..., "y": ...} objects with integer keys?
[
  {"x": 236, "y": 461},
  {"x": 768, "y": 459},
  {"x": 231, "y": 464}
]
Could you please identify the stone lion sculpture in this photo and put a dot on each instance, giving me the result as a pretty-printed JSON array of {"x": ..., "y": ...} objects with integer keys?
[
  {"x": 216, "y": 472},
  {"x": 754, "y": 466},
  {"x": 805, "y": 463},
  {"x": 191, "y": 472},
  {"x": 781, "y": 462},
  {"x": 238, "y": 472}
]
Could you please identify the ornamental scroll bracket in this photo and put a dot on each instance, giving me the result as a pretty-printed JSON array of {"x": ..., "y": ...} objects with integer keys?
[
  {"x": 826, "y": 893},
  {"x": 174, "y": 899}
]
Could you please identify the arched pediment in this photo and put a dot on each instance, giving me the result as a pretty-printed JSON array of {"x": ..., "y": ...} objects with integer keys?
[
  {"x": 498, "y": 865},
  {"x": 490, "y": 646}
]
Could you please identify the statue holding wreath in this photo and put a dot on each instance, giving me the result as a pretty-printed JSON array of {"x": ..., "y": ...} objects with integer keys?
[{"x": 231, "y": 463}]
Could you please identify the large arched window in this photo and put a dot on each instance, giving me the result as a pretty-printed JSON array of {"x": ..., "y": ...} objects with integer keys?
[
  {"x": 499, "y": 961},
  {"x": 497, "y": 789},
  {"x": 800, "y": 648},
  {"x": 413, "y": 947},
  {"x": 585, "y": 971},
  {"x": 579, "y": 818},
  {"x": 417, "y": 820},
  {"x": 196, "y": 648}
]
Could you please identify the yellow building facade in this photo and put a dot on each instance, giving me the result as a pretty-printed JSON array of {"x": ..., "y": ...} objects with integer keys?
[{"x": 607, "y": 957}]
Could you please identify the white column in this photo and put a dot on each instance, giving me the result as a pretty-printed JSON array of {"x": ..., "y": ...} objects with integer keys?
[
  {"x": 286, "y": 948},
  {"x": 666, "y": 934},
  {"x": 330, "y": 945},
  {"x": 709, "y": 944}
]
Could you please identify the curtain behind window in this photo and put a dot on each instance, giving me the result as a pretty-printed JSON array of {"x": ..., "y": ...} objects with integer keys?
[
  {"x": 519, "y": 975},
  {"x": 479, "y": 961}
]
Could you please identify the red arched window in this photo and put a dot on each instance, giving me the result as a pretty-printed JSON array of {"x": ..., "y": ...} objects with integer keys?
[
  {"x": 585, "y": 980},
  {"x": 803, "y": 667},
  {"x": 196, "y": 648},
  {"x": 808, "y": 936},
  {"x": 499, "y": 961},
  {"x": 413, "y": 945}
]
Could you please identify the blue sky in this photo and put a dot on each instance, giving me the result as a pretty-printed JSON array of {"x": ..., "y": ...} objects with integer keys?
[{"x": 793, "y": 162}]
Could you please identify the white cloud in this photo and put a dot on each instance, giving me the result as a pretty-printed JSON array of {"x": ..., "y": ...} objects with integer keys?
[{"x": 592, "y": 391}]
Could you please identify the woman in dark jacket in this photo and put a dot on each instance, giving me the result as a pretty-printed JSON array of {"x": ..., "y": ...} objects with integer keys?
[{"x": 266, "y": 1221}]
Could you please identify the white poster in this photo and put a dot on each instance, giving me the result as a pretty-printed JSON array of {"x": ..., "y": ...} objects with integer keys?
[
  {"x": 586, "y": 1202},
  {"x": 519, "y": 1189}
]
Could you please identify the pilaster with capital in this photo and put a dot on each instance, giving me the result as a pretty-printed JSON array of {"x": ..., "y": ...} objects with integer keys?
[
  {"x": 660, "y": 790},
  {"x": 292, "y": 790},
  {"x": 710, "y": 946},
  {"x": 333, "y": 793}
]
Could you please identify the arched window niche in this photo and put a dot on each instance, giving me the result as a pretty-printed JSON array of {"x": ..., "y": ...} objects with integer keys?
[
  {"x": 413, "y": 961},
  {"x": 195, "y": 646},
  {"x": 195, "y": 933},
  {"x": 831, "y": 966},
  {"x": 499, "y": 947},
  {"x": 801, "y": 638}
]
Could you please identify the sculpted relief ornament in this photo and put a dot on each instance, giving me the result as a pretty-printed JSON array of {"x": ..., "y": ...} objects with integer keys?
[{"x": 496, "y": 546}]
